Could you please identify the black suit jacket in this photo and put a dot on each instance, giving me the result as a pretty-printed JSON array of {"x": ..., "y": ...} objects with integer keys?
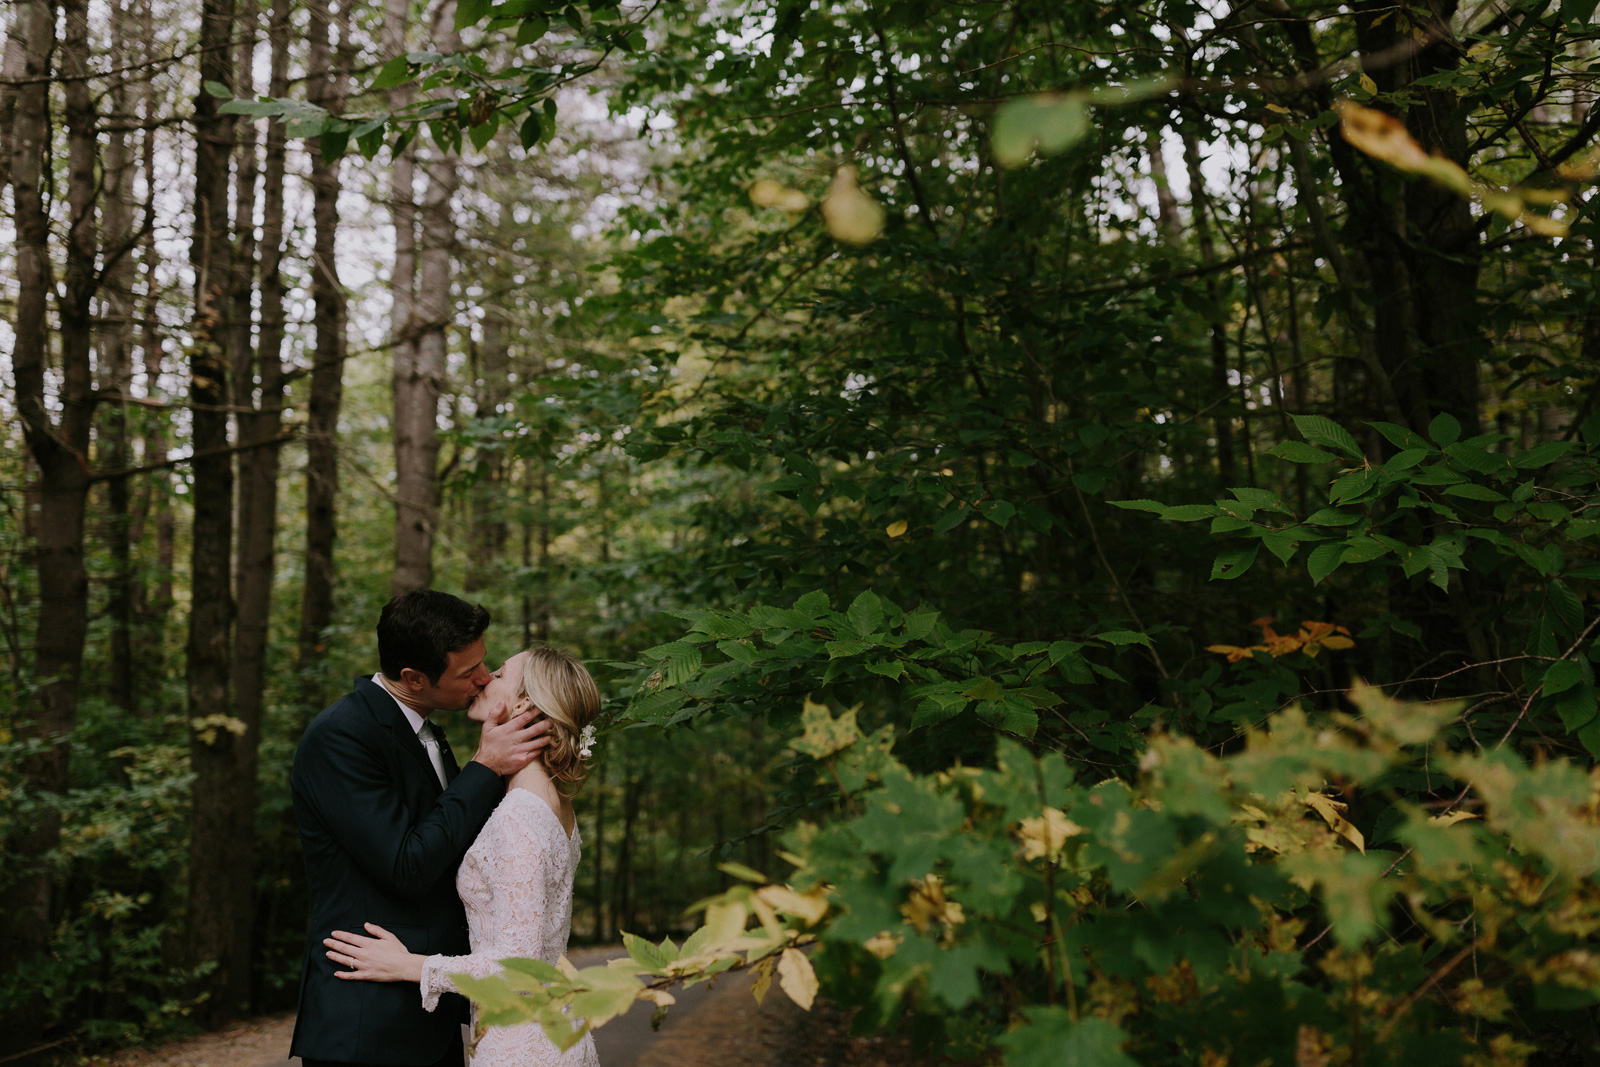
[{"x": 382, "y": 842}]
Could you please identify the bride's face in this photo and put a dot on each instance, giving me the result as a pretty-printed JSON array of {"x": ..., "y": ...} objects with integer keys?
[{"x": 498, "y": 695}]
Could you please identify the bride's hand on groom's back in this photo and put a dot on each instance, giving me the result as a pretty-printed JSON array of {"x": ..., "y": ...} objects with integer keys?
[{"x": 507, "y": 747}]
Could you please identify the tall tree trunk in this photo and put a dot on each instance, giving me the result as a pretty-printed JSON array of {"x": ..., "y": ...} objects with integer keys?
[
  {"x": 325, "y": 88},
  {"x": 216, "y": 853},
  {"x": 488, "y": 536},
  {"x": 258, "y": 467},
  {"x": 419, "y": 371},
  {"x": 117, "y": 369},
  {"x": 157, "y": 495},
  {"x": 1222, "y": 422},
  {"x": 60, "y": 451}
]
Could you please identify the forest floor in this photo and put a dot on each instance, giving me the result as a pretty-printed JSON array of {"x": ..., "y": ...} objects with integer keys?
[{"x": 717, "y": 1027}]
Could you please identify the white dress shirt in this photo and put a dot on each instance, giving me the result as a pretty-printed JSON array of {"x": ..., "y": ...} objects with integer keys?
[{"x": 420, "y": 727}]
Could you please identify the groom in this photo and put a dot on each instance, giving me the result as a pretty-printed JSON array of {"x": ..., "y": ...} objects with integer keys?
[{"x": 385, "y": 817}]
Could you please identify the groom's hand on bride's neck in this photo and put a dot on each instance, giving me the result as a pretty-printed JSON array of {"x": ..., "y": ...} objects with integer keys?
[{"x": 507, "y": 747}]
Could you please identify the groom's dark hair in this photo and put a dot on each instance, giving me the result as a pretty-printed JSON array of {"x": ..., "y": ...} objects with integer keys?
[{"x": 421, "y": 628}]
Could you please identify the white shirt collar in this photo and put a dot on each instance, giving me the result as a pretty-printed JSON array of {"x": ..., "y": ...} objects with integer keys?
[{"x": 412, "y": 717}]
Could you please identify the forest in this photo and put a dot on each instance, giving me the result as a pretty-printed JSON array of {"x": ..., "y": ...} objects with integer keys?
[{"x": 1084, "y": 514}]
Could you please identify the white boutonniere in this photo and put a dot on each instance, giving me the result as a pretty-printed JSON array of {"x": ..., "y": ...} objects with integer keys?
[{"x": 586, "y": 741}]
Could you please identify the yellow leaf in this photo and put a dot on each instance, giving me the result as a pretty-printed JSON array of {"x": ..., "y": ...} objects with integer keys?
[
  {"x": 852, "y": 216},
  {"x": 882, "y": 944},
  {"x": 796, "y": 978},
  {"x": 1279, "y": 108},
  {"x": 1369, "y": 85},
  {"x": 897, "y": 529},
  {"x": 769, "y": 193},
  {"x": 659, "y": 997},
  {"x": 808, "y": 907},
  {"x": 1330, "y": 810},
  {"x": 763, "y": 980},
  {"x": 1046, "y": 835},
  {"x": 825, "y": 735},
  {"x": 1452, "y": 817},
  {"x": 1544, "y": 224}
]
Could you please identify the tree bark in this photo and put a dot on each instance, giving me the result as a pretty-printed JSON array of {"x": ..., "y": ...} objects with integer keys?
[
  {"x": 157, "y": 496},
  {"x": 59, "y": 448},
  {"x": 117, "y": 370},
  {"x": 419, "y": 371},
  {"x": 488, "y": 533},
  {"x": 216, "y": 852},
  {"x": 325, "y": 88},
  {"x": 1222, "y": 421}
]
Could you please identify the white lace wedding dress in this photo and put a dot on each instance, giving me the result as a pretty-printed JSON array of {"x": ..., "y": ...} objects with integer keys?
[{"x": 516, "y": 884}]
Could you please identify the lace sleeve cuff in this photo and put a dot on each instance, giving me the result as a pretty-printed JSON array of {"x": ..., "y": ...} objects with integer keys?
[{"x": 435, "y": 981}]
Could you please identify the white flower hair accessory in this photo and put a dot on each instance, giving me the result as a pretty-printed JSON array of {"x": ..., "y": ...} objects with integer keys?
[{"x": 586, "y": 741}]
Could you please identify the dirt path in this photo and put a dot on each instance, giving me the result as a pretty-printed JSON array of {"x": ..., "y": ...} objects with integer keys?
[{"x": 712, "y": 1025}]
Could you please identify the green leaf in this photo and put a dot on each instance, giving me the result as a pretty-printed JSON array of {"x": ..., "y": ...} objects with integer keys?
[
  {"x": 1399, "y": 436},
  {"x": 652, "y": 958},
  {"x": 1407, "y": 459},
  {"x": 1155, "y": 506},
  {"x": 889, "y": 668},
  {"x": 741, "y": 872},
  {"x": 1052, "y": 1039},
  {"x": 1324, "y": 431},
  {"x": 1234, "y": 562},
  {"x": 1543, "y": 454},
  {"x": 470, "y": 12},
  {"x": 1561, "y": 676},
  {"x": 1332, "y": 517},
  {"x": 538, "y": 970},
  {"x": 530, "y": 130},
  {"x": 395, "y": 72},
  {"x": 532, "y": 28},
  {"x": 1474, "y": 491},
  {"x": 333, "y": 143},
  {"x": 1299, "y": 452},
  {"x": 1444, "y": 429},
  {"x": 481, "y": 134},
  {"x": 1260, "y": 499},
  {"x": 1281, "y": 543},
  {"x": 1190, "y": 512},
  {"x": 1124, "y": 637},
  {"x": 1323, "y": 561},
  {"x": 1048, "y": 123},
  {"x": 218, "y": 90}
]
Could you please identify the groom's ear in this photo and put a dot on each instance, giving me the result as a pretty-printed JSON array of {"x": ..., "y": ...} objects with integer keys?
[{"x": 413, "y": 679}]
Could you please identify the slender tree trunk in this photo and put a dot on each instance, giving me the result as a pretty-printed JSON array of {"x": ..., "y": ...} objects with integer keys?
[
  {"x": 257, "y": 495},
  {"x": 488, "y": 537},
  {"x": 326, "y": 88},
  {"x": 1167, "y": 220},
  {"x": 1223, "y": 420},
  {"x": 13, "y": 68},
  {"x": 158, "y": 485},
  {"x": 60, "y": 451},
  {"x": 622, "y": 876},
  {"x": 117, "y": 370},
  {"x": 419, "y": 376},
  {"x": 216, "y": 853}
]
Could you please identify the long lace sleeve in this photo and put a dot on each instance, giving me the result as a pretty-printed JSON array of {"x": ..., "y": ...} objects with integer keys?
[{"x": 513, "y": 867}]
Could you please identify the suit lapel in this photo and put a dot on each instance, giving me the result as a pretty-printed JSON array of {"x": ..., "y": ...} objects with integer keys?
[{"x": 387, "y": 710}]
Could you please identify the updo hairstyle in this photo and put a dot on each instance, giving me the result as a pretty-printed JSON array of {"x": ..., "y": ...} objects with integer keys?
[{"x": 557, "y": 685}]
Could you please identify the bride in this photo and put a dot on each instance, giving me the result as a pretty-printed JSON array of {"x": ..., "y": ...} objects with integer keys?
[{"x": 516, "y": 879}]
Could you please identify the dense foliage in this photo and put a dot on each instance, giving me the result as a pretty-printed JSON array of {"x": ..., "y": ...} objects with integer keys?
[{"x": 984, "y": 447}]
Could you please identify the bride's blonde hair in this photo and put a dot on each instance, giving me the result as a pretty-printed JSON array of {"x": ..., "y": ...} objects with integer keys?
[{"x": 556, "y": 684}]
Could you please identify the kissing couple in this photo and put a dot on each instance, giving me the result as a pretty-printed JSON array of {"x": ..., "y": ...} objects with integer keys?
[{"x": 446, "y": 869}]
